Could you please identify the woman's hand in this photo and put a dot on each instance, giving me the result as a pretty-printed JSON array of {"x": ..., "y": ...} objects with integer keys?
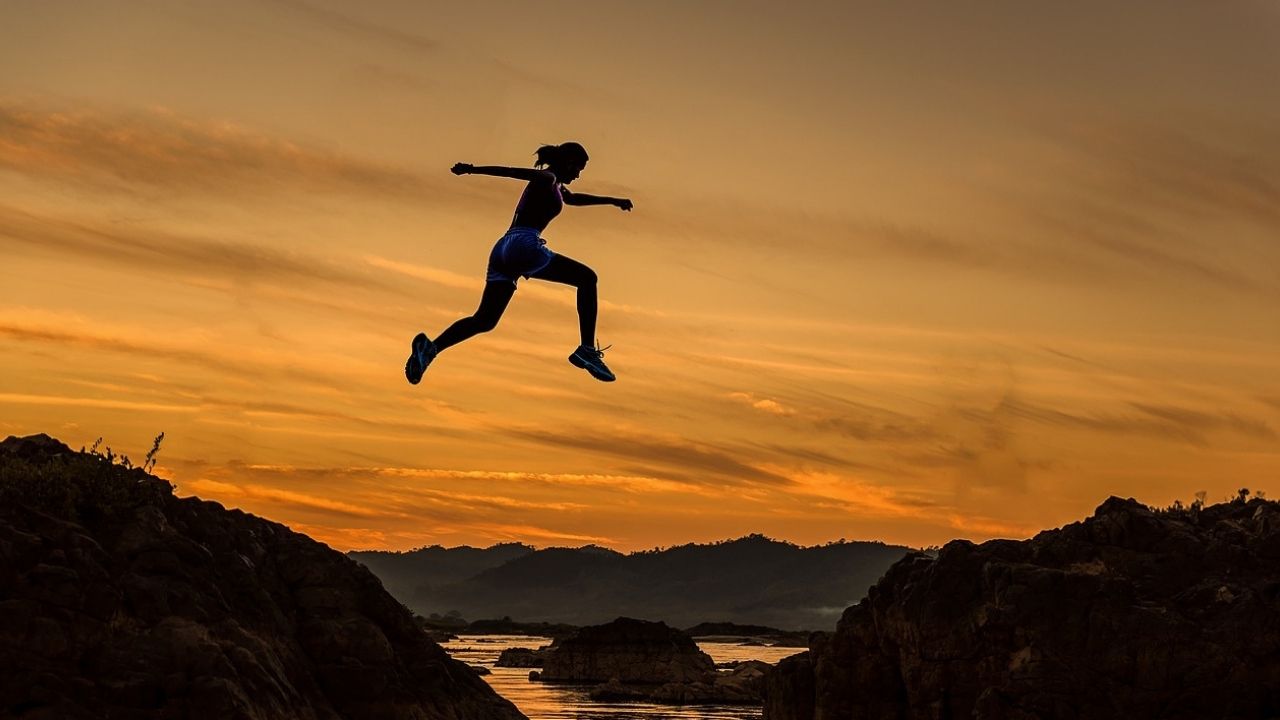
[
  {"x": 462, "y": 169},
  {"x": 623, "y": 203}
]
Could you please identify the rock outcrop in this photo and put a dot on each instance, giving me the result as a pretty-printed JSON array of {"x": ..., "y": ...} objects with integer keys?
[
  {"x": 640, "y": 660},
  {"x": 630, "y": 651},
  {"x": 522, "y": 657},
  {"x": 1132, "y": 613},
  {"x": 118, "y": 599}
]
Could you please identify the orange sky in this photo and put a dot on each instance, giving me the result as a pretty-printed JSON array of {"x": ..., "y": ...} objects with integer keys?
[{"x": 898, "y": 271}]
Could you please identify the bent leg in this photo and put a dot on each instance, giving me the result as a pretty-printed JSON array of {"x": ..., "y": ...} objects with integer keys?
[
  {"x": 568, "y": 271},
  {"x": 492, "y": 304}
]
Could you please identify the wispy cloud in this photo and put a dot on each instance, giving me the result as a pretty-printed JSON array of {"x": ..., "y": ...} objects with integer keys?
[
  {"x": 1165, "y": 422},
  {"x": 348, "y": 24},
  {"x": 262, "y": 369},
  {"x": 1156, "y": 197},
  {"x": 277, "y": 496},
  {"x": 767, "y": 405},
  {"x": 148, "y": 250},
  {"x": 1203, "y": 421},
  {"x": 864, "y": 428},
  {"x": 382, "y": 35},
  {"x": 84, "y": 402},
  {"x": 795, "y": 451},
  {"x": 632, "y": 483},
  {"x": 1225, "y": 171},
  {"x": 721, "y": 466},
  {"x": 121, "y": 150},
  {"x": 841, "y": 492},
  {"x": 522, "y": 533},
  {"x": 985, "y": 527}
]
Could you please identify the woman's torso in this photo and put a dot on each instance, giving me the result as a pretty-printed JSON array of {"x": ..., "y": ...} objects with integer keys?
[{"x": 538, "y": 205}]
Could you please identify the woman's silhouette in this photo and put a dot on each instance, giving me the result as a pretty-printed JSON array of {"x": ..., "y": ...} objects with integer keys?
[{"x": 523, "y": 252}]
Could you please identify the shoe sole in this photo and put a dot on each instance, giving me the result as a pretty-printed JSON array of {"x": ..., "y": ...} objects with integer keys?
[
  {"x": 579, "y": 362},
  {"x": 414, "y": 367}
]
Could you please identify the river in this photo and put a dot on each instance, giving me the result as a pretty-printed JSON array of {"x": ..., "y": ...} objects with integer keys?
[{"x": 546, "y": 701}]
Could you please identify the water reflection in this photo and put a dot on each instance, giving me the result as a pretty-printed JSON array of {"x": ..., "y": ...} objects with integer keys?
[{"x": 545, "y": 701}]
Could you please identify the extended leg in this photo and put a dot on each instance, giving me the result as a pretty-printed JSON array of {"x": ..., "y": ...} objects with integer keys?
[
  {"x": 566, "y": 270},
  {"x": 492, "y": 304},
  {"x": 571, "y": 272}
]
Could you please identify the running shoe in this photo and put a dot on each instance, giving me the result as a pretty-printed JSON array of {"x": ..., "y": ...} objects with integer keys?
[
  {"x": 422, "y": 353},
  {"x": 592, "y": 360}
]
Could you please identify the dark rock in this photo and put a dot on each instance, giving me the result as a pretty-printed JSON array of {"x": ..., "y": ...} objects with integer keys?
[
  {"x": 742, "y": 686},
  {"x": 33, "y": 447},
  {"x": 522, "y": 658},
  {"x": 632, "y": 651},
  {"x": 649, "y": 661},
  {"x": 789, "y": 691},
  {"x": 507, "y": 626},
  {"x": 118, "y": 599},
  {"x": 1130, "y": 613},
  {"x": 440, "y": 636},
  {"x": 728, "y": 629}
]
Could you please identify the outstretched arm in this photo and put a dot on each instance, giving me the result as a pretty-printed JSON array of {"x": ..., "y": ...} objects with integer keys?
[
  {"x": 573, "y": 198},
  {"x": 502, "y": 171}
]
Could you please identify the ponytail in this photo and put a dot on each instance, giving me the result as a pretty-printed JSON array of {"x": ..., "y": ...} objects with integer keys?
[{"x": 558, "y": 155}]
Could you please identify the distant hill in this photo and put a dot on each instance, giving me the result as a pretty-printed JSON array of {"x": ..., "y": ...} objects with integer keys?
[
  {"x": 751, "y": 580},
  {"x": 412, "y": 575}
]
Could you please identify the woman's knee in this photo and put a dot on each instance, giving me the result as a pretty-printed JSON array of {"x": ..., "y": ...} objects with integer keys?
[
  {"x": 587, "y": 277},
  {"x": 484, "y": 323}
]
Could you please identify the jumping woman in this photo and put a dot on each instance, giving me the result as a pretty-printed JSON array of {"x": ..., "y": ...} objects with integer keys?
[{"x": 523, "y": 253}]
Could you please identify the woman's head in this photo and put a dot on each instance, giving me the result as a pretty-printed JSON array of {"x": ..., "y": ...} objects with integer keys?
[{"x": 566, "y": 160}]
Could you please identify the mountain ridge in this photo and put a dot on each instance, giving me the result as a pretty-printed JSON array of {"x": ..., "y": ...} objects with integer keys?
[{"x": 752, "y": 579}]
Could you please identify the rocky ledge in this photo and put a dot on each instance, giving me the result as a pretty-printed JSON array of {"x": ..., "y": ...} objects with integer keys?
[
  {"x": 1131, "y": 613},
  {"x": 118, "y": 599}
]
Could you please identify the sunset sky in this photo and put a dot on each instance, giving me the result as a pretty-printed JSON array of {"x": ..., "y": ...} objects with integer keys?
[{"x": 897, "y": 271}]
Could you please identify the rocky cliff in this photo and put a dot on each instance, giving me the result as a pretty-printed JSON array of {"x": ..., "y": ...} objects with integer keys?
[
  {"x": 1132, "y": 613},
  {"x": 118, "y": 599}
]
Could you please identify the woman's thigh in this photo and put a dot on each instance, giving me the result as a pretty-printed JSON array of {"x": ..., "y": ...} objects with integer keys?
[{"x": 566, "y": 270}]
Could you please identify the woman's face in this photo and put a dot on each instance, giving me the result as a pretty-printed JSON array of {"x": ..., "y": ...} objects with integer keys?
[{"x": 570, "y": 172}]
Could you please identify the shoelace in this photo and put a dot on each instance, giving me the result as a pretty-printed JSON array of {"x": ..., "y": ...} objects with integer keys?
[{"x": 599, "y": 351}]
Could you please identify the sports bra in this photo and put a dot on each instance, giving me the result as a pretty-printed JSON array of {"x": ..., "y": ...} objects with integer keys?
[{"x": 539, "y": 211}]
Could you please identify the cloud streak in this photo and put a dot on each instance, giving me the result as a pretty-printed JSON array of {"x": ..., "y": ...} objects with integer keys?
[
  {"x": 1159, "y": 421},
  {"x": 349, "y": 25},
  {"x": 147, "y": 250},
  {"x": 685, "y": 455},
  {"x": 159, "y": 149}
]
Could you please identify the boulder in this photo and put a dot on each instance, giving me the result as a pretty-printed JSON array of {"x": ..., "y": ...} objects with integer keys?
[
  {"x": 522, "y": 657},
  {"x": 648, "y": 661},
  {"x": 632, "y": 651}
]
